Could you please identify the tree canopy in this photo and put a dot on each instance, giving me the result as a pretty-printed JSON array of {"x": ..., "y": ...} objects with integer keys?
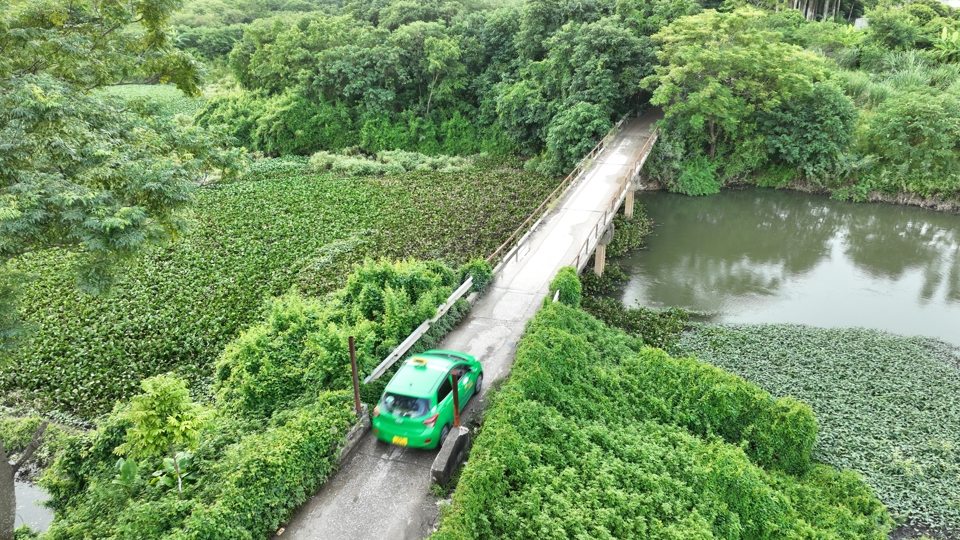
[{"x": 81, "y": 169}]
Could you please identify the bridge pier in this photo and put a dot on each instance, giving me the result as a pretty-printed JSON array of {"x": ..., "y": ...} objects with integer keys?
[
  {"x": 600, "y": 255},
  {"x": 628, "y": 204}
]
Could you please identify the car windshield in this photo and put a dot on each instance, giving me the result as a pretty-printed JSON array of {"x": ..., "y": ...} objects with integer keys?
[{"x": 399, "y": 405}]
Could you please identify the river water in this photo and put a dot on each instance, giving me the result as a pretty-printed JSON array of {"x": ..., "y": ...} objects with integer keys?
[
  {"x": 29, "y": 511},
  {"x": 762, "y": 255}
]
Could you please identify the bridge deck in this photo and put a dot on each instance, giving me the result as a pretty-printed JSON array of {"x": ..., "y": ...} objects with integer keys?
[{"x": 382, "y": 491}]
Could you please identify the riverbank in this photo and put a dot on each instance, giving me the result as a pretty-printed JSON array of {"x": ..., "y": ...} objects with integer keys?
[{"x": 938, "y": 204}]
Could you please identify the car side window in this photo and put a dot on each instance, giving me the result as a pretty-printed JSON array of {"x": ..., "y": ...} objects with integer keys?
[
  {"x": 445, "y": 389},
  {"x": 459, "y": 371}
]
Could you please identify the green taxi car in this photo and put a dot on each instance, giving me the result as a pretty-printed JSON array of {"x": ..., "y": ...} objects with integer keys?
[{"x": 416, "y": 408}]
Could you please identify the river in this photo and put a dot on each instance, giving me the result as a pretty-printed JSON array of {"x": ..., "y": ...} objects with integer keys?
[
  {"x": 768, "y": 256},
  {"x": 29, "y": 511}
]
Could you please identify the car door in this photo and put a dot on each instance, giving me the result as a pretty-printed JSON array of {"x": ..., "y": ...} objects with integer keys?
[{"x": 467, "y": 382}]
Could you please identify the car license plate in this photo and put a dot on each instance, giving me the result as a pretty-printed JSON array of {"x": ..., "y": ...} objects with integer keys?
[{"x": 402, "y": 441}]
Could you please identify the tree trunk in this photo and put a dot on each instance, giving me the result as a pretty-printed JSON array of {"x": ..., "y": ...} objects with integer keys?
[
  {"x": 176, "y": 468},
  {"x": 8, "y": 494},
  {"x": 8, "y": 497},
  {"x": 713, "y": 139},
  {"x": 430, "y": 96}
]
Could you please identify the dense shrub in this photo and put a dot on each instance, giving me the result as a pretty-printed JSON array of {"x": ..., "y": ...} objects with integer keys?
[
  {"x": 778, "y": 433},
  {"x": 629, "y": 233},
  {"x": 567, "y": 283},
  {"x": 657, "y": 328},
  {"x": 291, "y": 123},
  {"x": 162, "y": 99},
  {"x": 303, "y": 343},
  {"x": 17, "y": 432},
  {"x": 572, "y": 448},
  {"x": 260, "y": 480},
  {"x": 915, "y": 135},
  {"x": 481, "y": 272},
  {"x": 572, "y": 133},
  {"x": 698, "y": 176},
  {"x": 438, "y": 77},
  {"x": 810, "y": 133}
]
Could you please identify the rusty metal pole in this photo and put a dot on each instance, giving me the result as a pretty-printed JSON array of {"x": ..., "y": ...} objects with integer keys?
[
  {"x": 456, "y": 401},
  {"x": 356, "y": 377}
]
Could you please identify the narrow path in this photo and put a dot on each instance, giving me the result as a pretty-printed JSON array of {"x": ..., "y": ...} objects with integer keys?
[{"x": 382, "y": 491}]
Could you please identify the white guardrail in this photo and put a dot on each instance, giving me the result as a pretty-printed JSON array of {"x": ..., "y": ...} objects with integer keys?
[{"x": 419, "y": 332}]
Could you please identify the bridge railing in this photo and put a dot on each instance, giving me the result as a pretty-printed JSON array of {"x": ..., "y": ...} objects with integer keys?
[
  {"x": 570, "y": 179},
  {"x": 557, "y": 194},
  {"x": 583, "y": 255}
]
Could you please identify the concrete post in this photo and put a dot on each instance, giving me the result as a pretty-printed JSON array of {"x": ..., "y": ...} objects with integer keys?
[
  {"x": 600, "y": 256},
  {"x": 600, "y": 259},
  {"x": 628, "y": 204}
]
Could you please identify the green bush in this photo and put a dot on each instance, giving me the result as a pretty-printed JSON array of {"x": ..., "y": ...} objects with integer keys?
[
  {"x": 914, "y": 134},
  {"x": 481, "y": 272},
  {"x": 569, "y": 449},
  {"x": 259, "y": 481},
  {"x": 657, "y": 328},
  {"x": 163, "y": 99},
  {"x": 777, "y": 433},
  {"x": 24, "y": 532},
  {"x": 294, "y": 124},
  {"x": 629, "y": 233},
  {"x": 573, "y": 132},
  {"x": 812, "y": 131},
  {"x": 698, "y": 176},
  {"x": 385, "y": 162},
  {"x": 567, "y": 282},
  {"x": 263, "y": 169},
  {"x": 303, "y": 344}
]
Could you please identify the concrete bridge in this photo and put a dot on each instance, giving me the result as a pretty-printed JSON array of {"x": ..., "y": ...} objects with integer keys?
[{"x": 382, "y": 491}]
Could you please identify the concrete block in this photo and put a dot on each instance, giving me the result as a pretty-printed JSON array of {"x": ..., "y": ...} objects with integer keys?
[
  {"x": 451, "y": 454},
  {"x": 354, "y": 435}
]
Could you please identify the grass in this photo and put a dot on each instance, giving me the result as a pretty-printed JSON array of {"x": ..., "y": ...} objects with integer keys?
[
  {"x": 177, "y": 308},
  {"x": 887, "y": 405}
]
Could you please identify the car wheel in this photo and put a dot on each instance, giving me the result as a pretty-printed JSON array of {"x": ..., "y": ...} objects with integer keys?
[
  {"x": 443, "y": 435},
  {"x": 478, "y": 385}
]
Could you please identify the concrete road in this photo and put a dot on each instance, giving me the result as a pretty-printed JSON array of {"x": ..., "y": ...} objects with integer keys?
[{"x": 382, "y": 491}]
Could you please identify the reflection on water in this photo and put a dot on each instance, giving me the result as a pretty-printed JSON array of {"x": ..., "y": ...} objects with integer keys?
[{"x": 772, "y": 256}]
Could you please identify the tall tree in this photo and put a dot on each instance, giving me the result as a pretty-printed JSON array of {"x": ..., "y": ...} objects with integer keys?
[
  {"x": 718, "y": 69},
  {"x": 78, "y": 168}
]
